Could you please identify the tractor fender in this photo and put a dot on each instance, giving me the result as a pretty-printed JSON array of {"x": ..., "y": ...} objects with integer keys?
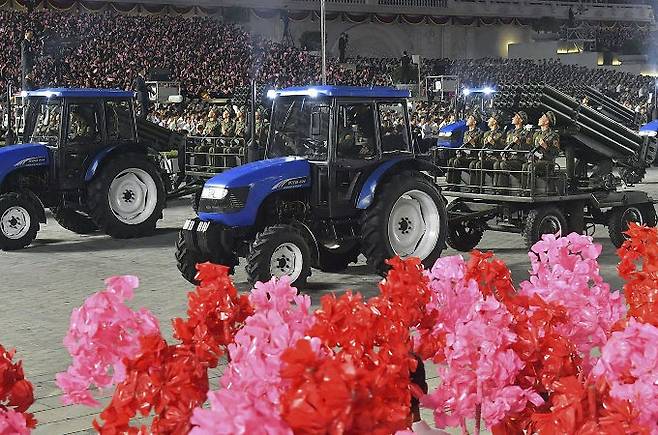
[
  {"x": 16, "y": 157},
  {"x": 112, "y": 150},
  {"x": 37, "y": 203},
  {"x": 367, "y": 194}
]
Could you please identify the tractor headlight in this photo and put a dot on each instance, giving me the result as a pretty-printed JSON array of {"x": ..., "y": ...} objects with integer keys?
[
  {"x": 214, "y": 192},
  {"x": 649, "y": 133},
  {"x": 445, "y": 134}
]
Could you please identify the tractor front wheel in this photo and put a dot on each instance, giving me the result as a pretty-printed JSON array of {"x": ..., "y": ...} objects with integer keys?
[
  {"x": 408, "y": 218},
  {"x": 19, "y": 222},
  {"x": 127, "y": 197},
  {"x": 279, "y": 250}
]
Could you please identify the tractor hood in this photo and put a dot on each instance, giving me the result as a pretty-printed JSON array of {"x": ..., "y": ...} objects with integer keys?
[
  {"x": 14, "y": 157},
  {"x": 649, "y": 129},
  {"x": 234, "y": 197},
  {"x": 271, "y": 173}
]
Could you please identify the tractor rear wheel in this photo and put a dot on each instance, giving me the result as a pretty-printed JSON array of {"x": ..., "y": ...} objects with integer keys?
[
  {"x": 19, "y": 221},
  {"x": 279, "y": 250},
  {"x": 408, "y": 219},
  {"x": 74, "y": 220},
  {"x": 127, "y": 197},
  {"x": 620, "y": 217}
]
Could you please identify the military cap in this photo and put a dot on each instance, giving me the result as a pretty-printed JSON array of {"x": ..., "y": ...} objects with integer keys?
[
  {"x": 551, "y": 117},
  {"x": 475, "y": 114},
  {"x": 523, "y": 116}
]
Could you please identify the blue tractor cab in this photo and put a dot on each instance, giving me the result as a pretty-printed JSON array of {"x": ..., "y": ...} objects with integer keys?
[
  {"x": 81, "y": 157},
  {"x": 339, "y": 178}
]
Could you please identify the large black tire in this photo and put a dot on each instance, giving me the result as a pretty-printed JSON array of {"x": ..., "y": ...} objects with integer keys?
[
  {"x": 98, "y": 197},
  {"x": 186, "y": 260},
  {"x": 543, "y": 220},
  {"x": 268, "y": 243},
  {"x": 463, "y": 236},
  {"x": 375, "y": 241},
  {"x": 19, "y": 221},
  {"x": 619, "y": 217},
  {"x": 74, "y": 220},
  {"x": 337, "y": 260}
]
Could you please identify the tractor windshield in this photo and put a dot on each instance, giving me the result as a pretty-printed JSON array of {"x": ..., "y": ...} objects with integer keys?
[
  {"x": 42, "y": 121},
  {"x": 300, "y": 127}
]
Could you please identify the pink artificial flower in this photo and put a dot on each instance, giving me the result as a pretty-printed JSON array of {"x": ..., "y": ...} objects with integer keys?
[
  {"x": 249, "y": 400},
  {"x": 13, "y": 423},
  {"x": 629, "y": 363},
  {"x": 102, "y": 332},
  {"x": 565, "y": 270}
]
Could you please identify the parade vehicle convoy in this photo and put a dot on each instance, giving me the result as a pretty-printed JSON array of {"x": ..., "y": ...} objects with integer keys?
[
  {"x": 82, "y": 158},
  {"x": 339, "y": 178},
  {"x": 606, "y": 155}
]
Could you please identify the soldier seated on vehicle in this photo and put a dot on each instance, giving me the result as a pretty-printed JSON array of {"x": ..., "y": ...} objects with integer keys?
[
  {"x": 472, "y": 139},
  {"x": 493, "y": 139},
  {"x": 518, "y": 142},
  {"x": 546, "y": 148}
]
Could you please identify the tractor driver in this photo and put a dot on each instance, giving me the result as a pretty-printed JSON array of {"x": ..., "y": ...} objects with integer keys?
[
  {"x": 464, "y": 158},
  {"x": 356, "y": 134},
  {"x": 546, "y": 148}
]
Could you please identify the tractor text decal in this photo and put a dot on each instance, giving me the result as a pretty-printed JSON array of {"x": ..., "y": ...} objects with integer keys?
[
  {"x": 290, "y": 182},
  {"x": 31, "y": 161}
]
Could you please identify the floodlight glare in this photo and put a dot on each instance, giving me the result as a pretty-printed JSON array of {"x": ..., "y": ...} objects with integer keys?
[
  {"x": 466, "y": 91},
  {"x": 487, "y": 91},
  {"x": 312, "y": 92},
  {"x": 271, "y": 94}
]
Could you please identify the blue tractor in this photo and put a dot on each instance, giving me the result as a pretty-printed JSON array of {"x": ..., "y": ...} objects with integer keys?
[
  {"x": 339, "y": 178},
  {"x": 81, "y": 157}
]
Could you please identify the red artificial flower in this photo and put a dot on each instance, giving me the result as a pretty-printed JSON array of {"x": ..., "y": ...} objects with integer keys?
[{"x": 16, "y": 392}]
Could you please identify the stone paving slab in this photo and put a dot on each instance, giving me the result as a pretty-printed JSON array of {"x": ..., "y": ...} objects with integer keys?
[{"x": 39, "y": 287}]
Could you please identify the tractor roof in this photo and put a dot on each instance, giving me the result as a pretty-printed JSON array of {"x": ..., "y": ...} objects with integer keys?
[
  {"x": 343, "y": 91},
  {"x": 78, "y": 92}
]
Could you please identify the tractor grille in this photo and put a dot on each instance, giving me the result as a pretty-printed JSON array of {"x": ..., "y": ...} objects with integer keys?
[{"x": 231, "y": 203}]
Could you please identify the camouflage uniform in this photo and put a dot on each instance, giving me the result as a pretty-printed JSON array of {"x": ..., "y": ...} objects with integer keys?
[
  {"x": 227, "y": 128},
  {"x": 492, "y": 139},
  {"x": 544, "y": 162},
  {"x": 518, "y": 140},
  {"x": 472, "y": 139}
]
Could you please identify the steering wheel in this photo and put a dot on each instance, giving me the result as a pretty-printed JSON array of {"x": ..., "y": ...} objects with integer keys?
[{"x": 314, "y": 146}]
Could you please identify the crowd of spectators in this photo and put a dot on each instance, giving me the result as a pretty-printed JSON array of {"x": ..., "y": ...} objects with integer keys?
[{"x": 213, "y": 59}]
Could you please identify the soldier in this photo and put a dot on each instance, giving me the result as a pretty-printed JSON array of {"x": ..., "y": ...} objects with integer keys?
[
  {"x": 212, "y": 126},
  {"x": 472, "y": 139},
  {"x": 262, "y": 129},
  {"x": 240, "y": 125},
  {"x": 493, "y": 139},
  {"x": 227, "y": 126},
  {"x": 546, "y": 148},
  {"x": 519, "y": 141}
]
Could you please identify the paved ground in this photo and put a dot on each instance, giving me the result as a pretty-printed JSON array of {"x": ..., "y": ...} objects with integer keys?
[{"x": 40, "y": 286}]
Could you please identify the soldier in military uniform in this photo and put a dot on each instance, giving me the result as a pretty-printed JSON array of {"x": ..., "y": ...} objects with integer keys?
[
  {"x": 240, "y": 125},
  {"x": 546, "y": 148},
  {"x": 493, "y": 139},
  {"x": 212, "y": 126},
  {"x": 227, "y": 126},
  {"x": 472, "y": 139},
  {"x": 519, "y": 142}
]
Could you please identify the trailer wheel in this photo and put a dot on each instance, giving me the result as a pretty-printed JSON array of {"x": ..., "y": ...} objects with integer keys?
[
  {"x": 463, "y": 236},
  {"x": 337, "y": 260},
  {"x": 279, "y": 250},
  {"x": 543, "y": 220},
  {"x": 73, "y": 220},
  {"x": 19, "y": 221},
  {"x": 127, "y": 197},
  {"x": 408, "y": 218},
  {"x": 620, "y": 217}
]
